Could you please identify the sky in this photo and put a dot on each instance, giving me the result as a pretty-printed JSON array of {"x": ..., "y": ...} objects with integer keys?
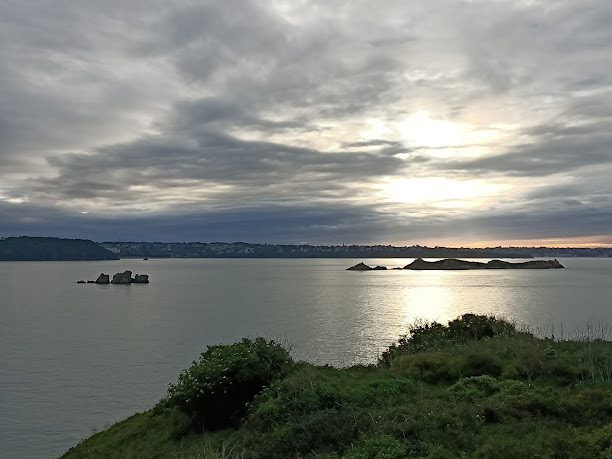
[{"x": 403, "y": 122}]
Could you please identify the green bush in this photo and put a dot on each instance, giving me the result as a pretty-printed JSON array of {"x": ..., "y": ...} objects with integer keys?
[
  {"x": 431, "y": 367},
  {"x": 427, "y": 337},
  {"x": 215, "y": 390},
  {"x": 475, "y": 387},
  {"x": 600, "y": 441},
  {"x": 530, "y": 441},
  {"x": 324, "y": 431},
  {"x": 378, "y": 447},
  {"x": 475, "y": 327},
  {"x": 537, "y": 361},
  {"x": 478, "y": 363},
  {"x": 420, "y": 337}
]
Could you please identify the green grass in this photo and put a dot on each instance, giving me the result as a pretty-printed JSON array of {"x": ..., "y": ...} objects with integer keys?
[{"x": 442, "y": 392}]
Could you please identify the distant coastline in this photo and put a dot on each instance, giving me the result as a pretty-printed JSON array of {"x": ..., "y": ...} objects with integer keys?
[
  {"x": 25, "y": 248},
  {"x": 249, "y": 250}
]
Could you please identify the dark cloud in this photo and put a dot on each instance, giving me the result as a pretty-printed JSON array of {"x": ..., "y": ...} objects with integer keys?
[
  {"x": 246, "y": 171},
  {"x": 298, "y": 224},
  {"x": 547, "y": 156},
  {"x": 265, "y": 224}
]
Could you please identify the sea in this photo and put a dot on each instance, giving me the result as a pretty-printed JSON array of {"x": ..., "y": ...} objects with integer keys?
[{"x": 75, "y": 358}]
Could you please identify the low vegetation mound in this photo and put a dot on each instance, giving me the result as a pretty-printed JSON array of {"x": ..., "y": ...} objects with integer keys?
[{"x": 476, "y": 387}]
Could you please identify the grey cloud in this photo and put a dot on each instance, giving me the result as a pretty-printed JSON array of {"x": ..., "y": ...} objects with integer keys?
[
  {"x": 558, "y": 149},
  {"x": 194, "y": 114},
  {"x": 260, "y": 171},
  {"x": 263, "y": 224},
  {"x": 372, "y": 143},
  {"x": 126, "y": 105},
  {"x": 321, "y": 223}
]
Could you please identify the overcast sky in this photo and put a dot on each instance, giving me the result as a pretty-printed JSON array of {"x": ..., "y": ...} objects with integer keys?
[{"x": 404, "y": 122}]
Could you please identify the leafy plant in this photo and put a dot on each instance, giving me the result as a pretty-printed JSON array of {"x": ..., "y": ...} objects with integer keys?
[
  {"x": 425, "y": 336},
  {"x": 475, "y": 327},
  {"x": 216, "y": 389}
]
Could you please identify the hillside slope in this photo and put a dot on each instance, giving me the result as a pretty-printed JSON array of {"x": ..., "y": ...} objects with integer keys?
[{"x": 475, "y": 388}]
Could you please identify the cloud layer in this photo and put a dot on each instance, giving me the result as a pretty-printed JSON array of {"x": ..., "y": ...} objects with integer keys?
[{"x": 364, "y": 121}]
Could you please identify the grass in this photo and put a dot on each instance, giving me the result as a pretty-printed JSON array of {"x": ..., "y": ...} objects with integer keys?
[{"x": 477, "y": 388}]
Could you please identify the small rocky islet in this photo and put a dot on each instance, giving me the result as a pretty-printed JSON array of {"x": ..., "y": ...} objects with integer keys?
[
  {"x": 124, "y": 277},
  {"x": 454, "y": 264}
]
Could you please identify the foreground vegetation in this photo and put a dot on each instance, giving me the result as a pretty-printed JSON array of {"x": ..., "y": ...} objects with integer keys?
[{"x": 477, "y": 387}]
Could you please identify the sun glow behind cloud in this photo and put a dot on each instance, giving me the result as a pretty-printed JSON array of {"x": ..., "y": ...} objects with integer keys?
[
  {"x": 420, "y": 130},
  {"x": 436, "y": 137},
  {"x": 442, "y": 192}
]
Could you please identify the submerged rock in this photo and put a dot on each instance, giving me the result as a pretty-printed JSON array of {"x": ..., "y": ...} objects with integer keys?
[
  {"x": 360, "y": 267},
  {"x": 80, "y": 282},
  {"x": 122, "y": 278},
  {"x": 141, "y": 279},
  {"x": 454, "y": 264},
  {"x": 103, "y": 279}
]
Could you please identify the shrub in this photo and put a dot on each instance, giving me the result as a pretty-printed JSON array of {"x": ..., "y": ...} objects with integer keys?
[
  {"x": 600, "y": 441},
  {"x": 478, "y": 363},
  {"x": 323, "y": 431},
  {"x": 439, "y": 452},
  {"x": 512, "y": 387},
  {"x": 475, "y": 387},
  {"x": 537, "y": 361},
  {"x": 378, "y": 447},
  {"x": 426, "y": 337},
  {"x": 422, "y": 336},
  {"x": 431, "y": 367},
  {"x": 538, "y": 442},
  {"x": 216, "y": 389},
  {"x": 528, "y": 363},
  {"x": 472, "y": 327}
]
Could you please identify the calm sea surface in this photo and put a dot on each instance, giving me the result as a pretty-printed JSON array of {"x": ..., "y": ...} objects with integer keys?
[{"x": 74, "y": 358}]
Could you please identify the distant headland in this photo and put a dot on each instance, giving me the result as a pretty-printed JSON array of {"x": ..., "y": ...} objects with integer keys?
[{"x": 25, "y": 248}]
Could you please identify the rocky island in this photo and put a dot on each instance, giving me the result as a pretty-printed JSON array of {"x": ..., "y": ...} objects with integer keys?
[
  {"x": 454, "y": 264},
  {"x": 120, "y": 278}
]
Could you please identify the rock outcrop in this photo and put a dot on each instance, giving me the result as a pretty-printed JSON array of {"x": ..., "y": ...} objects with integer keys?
[
  {"x": 454, "y": 264},
  {"x": 141, "y": 279},
  {"x": 363, "y": 267},
  {"x": 103, "y": 279},
  {"x": 122, "y": 278},
  {"x": 360, "y": 267}
]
